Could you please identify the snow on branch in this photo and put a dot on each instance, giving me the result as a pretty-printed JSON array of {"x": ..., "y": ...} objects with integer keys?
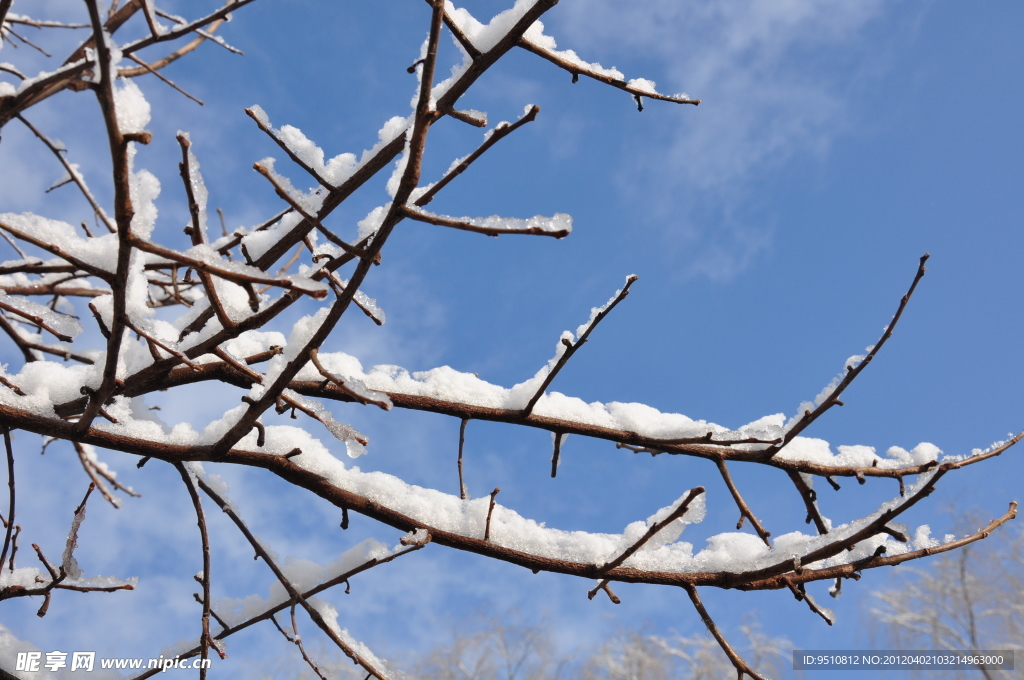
[
  {"x": 249, "y": 312},
  {"x": 305, "y": 153},
  {"x": 558, "y": 226},
  {"x": 534, "y": 40}
]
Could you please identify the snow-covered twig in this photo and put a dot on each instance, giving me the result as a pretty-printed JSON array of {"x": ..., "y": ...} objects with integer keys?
[{"x": 571, "y": 345}]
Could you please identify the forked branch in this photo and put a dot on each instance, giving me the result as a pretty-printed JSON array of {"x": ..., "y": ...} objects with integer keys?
[{"x": 293, "y": 593}]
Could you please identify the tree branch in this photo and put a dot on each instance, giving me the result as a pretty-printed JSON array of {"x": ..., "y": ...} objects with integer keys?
[{"x": 571, "y": 347}]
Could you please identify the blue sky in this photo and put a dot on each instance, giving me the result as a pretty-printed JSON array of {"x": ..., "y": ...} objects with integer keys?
[{"x": 774, "y": 229}]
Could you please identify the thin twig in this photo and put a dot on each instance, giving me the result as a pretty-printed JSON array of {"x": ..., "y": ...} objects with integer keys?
[
  {"x": 500, "y": 131},
  {"x": 853, "y": 569},
  {"x": 314, "y": 357},
  {"x": 60, "y": 252},
  {"x": 490, "y": 511},
  {"x": 296, "y": 639},
  {"x": 577, "y": 71},
  {"x": 14, "y": 548},
  {"x": 852, "y": 372},
  {"x": 10, "y": 488},
  {"x": 651, "y": 531},
  {"x": 36, "y": 319},
  {"x": 204, "y": 641},
  {"x": 228, "y": 274},
  {"x": 72, "y": 173},
  {"x": 558, "y": 449},
  {"x": 801, "y": 596},
  {"x": 745, "y": 511},
  {"x": 15, "y": 335},
  {"x": 738, "y": 663},
  {"x": 35, "y": 23},
  {"x": 266, "y": 615},
  {"x": 27, "y": 41},
  {"x": 809, "y": 497},
  {"x": 184, "y": 29},
  {"x": 309, "y": 216},
  {"x": 294, "y": 594},
  {"x": 272, "y": 133},
  {"x": 571, "y": 347},
  {"x": 14, "y": 245},
  {"x": 197, "y": 234},
  {"x": 603, "y": 585},
  {"x": 466, "y": 43},
  {"x": 463, "y": 225},
  {"x": 153, "y": 341},
  {"x": 238, "y": 366},
  {"x": 165, "y": 78},
  {"x": 463, "y": 494},
  {"x": 95, "y": 472}
]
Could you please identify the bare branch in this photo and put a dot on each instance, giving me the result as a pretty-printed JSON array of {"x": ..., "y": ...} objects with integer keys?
[
  {"x": 741, "y": 666},
  {"x": 73, "y": 174},
  {"x": 463, "y": 494},
  {"x": 490, "y": 511},
  {"x": 745, "y": 511},
  {"x": 204, "y": 641},
  {"x": 124, "y": 211},
  {"x": 95, "y": 472},
  {"x": 500, "y": 131},
  {"x": 163, "y": 77},
  {"x": 809, "y": 497},
  {"x": 295, "y": 595},
  {"x": 10, "y": 492}
]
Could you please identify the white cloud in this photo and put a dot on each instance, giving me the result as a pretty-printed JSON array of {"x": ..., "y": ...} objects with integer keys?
[{"x": 778, "y": 83}]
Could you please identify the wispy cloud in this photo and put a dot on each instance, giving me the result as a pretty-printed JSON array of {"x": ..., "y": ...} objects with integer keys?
[{"x": 777, "y": 82}]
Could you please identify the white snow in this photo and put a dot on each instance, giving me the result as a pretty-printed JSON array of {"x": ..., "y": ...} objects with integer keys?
[
  {"x": 559, "y": 222},
  {"x": 130, "y": 106},
  {"x": 371, "y": 223},
  {"x": 309, "y": 202},
  {"x": 728, "y": 552},
  {"x": 919, "y": 455},
  {"x": 99, "y": 252},
  {"x": 485, "y": 37},
  {"x": 64, "y": 325},
  {"x": 334, "y": 172},
  {"x": 829, "y": 389},
  {"x": 643, "y": 85},
  {"x": 819, "y": 452},
  {"x": 535, "y": 36},
  {"x": 447, "y": 384}
]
